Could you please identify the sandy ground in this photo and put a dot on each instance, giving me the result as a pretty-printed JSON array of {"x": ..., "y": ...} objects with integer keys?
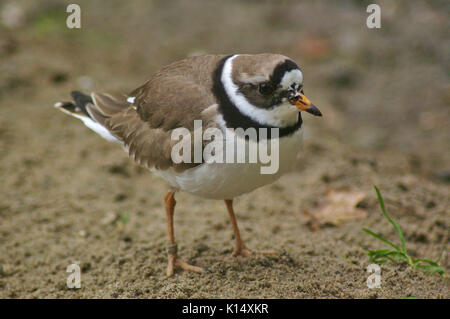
[{"x": 68, "y": 196}]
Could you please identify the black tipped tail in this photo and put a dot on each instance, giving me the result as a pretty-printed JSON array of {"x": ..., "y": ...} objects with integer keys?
[
  {"x": 67, "y": 106},
  {"x": 90, "y": 113},
  {"x": 78, "y": 106},
  {"x": 81, "y": 100}
]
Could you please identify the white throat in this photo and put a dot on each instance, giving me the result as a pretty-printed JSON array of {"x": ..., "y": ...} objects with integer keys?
[{"x": 281, "y": 116}]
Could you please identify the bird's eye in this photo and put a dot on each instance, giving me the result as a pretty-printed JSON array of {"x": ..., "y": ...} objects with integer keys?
[{"x": 265, "y": 88}]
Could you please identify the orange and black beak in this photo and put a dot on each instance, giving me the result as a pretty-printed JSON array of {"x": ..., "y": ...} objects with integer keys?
[{"x": 304, "y": 104}]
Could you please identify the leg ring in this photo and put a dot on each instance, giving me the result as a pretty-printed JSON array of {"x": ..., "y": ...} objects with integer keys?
[{"x": 172, "y": 249}]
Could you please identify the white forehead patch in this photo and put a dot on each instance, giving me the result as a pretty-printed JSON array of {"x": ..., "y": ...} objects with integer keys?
[{"x": 293, "y": 76}]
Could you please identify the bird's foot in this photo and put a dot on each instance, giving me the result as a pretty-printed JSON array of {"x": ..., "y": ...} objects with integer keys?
[
  {"x": 243, "y": 251},
  {"x": 175, "y": 261}
]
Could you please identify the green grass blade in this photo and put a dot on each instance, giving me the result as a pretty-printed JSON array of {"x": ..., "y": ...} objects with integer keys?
[
  {"x": 430, "y": 262},
  {"x": 381, "y": 238},
  {"x": 432, "y": 265},
  {"x": 376, "y": 255},
  {"x": 431, "y": 268},
  {"x": 380, "y": 261},
  {"x": 383, "y": 255},
  {"x": 393, "y": 222},
  {"x": 385, "y": 252},
  {"x": 374, "y": 258}
]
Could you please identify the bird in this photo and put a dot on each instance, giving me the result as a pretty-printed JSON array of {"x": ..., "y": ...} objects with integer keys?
[{"x": 225, "y": 92}]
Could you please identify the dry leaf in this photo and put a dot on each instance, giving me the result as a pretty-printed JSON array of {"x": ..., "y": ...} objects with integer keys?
[{"x": 340, "y": 206}]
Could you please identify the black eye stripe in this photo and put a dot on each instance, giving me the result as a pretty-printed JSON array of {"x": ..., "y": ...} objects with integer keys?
[
  {"x": 281, "y": 69},
  {"x": 266, "y": 88}
]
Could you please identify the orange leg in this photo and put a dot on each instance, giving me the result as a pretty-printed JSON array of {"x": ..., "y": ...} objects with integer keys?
[
  {"x": 169, "y": 204},
  {"x": 240, "y": 248}
]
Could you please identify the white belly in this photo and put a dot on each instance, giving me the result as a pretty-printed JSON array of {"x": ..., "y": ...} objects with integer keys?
[{"x": 228, "y": 180}]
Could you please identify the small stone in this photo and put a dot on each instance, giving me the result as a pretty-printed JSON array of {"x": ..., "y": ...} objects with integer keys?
[{"x": 108, "y": 219}]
